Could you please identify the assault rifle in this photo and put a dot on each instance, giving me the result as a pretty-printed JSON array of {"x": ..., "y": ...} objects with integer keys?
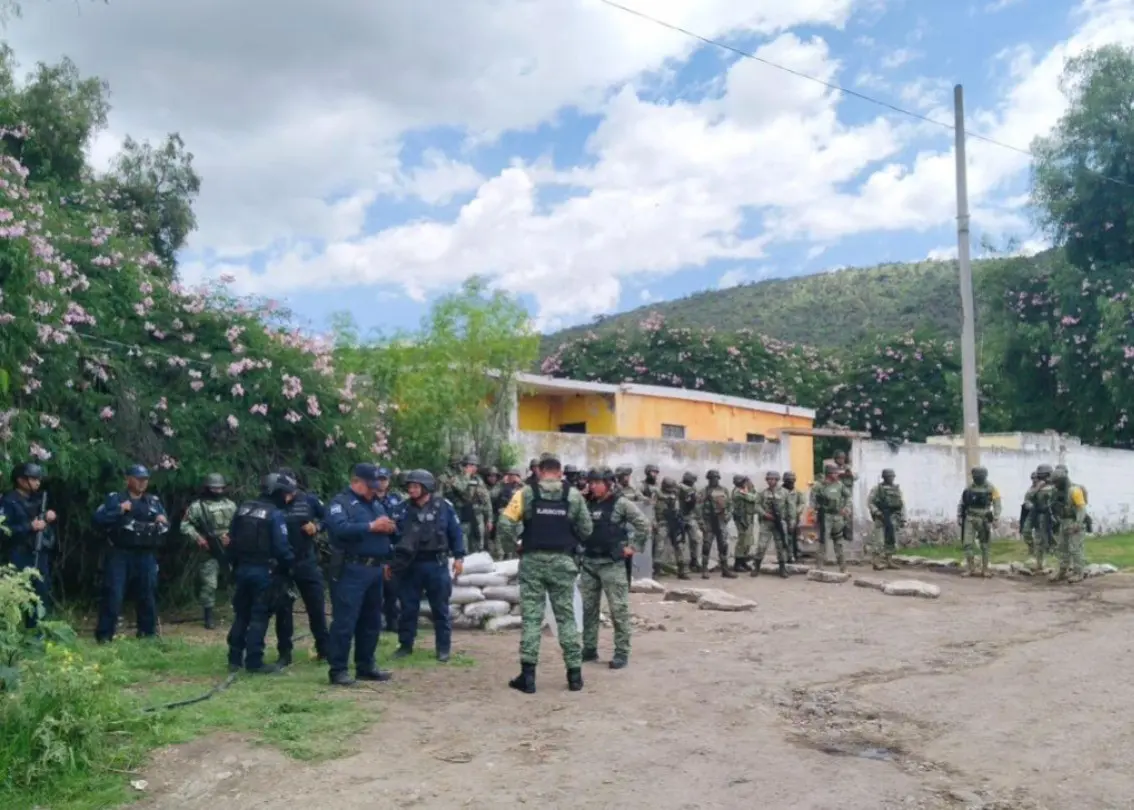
[
  {"x": 888, "y": 533},
  {"x": 213, "y": 538},
  {"x": 44, "y": 540},
  {"x": 777, "y": 523}
]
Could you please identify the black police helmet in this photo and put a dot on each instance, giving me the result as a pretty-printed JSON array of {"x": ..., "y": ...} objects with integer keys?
[{"x": 423, "y": 478}]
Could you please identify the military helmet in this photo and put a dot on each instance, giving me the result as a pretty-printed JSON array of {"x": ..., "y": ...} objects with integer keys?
[
  {"x": 789, "y": 475},
  {"x": 772, "y": 474},
  {"x": 29, "y": 469},
  {"x": 980, "y": 475},
  {"x": 277, "y": 484},
  {"x": 470, "y": 459},
  {"x": 713, "y": 475},
  {"x": 600, "y": 474},
  {"x": 652, "y": 468},
  {"x": 624, "y": 470},
  {"x": 570, "y": 469},
  {"x": 492, "y": 471},
  {"x": 1060, "y": 478},
  {"x": 830, "y": 467},
  {"x": 737, "y": 480},
  {"x": 516, "y": 471},
  {"x": 1044, "y": 470},
  {"x": 689, "y": 479},
  {"x": 1035, "y": 475},
  {"x": 1061, "y": 468},
  {"x": 214, "y": 481},
  {"x": 533, "y": 463},
  {"x": 137, "y": 471},
  {"x": 549, "y": 461},
  {"x": 888, "y": 473},
  {"x": 423, "y": 478},
  {"x": 668, "y": 485}
]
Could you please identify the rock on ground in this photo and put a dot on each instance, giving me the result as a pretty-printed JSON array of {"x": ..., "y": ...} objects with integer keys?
[
  {"x": 911, "y": 587},
  {"x": 865, "y": 582},
  {"x": 821, "y": 575},
  {"x": 646, "y": 586},
  {"x": 683, "y": 595},
  {"x": 1099, "y": 569},
  {"x": 713, "y": 599}
]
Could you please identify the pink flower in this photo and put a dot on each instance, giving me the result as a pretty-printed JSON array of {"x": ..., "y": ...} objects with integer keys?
[
  {"x": 39, "y": 452},
  {"x": 49, "y": 421},
  {"x": 106, "y": 414},
  {"x": 313, "y": 406},
  {"x": 292, "y": 386},
  {"x": 261, "y": 409},
  {"x": 196, "y": 385},
  {"x": 238, "y": 390},
  {"x": 292, "y": 417},
  {"x": 233, "y": 422}
]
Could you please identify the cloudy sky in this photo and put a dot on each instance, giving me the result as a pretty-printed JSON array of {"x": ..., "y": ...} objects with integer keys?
[{"x": 368, "y": 155}]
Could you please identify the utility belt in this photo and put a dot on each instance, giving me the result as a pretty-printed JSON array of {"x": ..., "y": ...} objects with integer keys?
[
  {"x": 431, "y": 556},
  {"x": 365, "y": 561},
  {"x": 149, "y": 539},
  {"x": 263, "y": 561}
]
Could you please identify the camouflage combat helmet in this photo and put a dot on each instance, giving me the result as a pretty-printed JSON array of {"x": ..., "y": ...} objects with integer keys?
[
  {"x": 668, "y": 485},
  {"x": 689, "y": 479},
  {"x": 1044, "y": 471},
  {"x": 624, "y": 470},
  {"x": 888, "y": 475},
  {"x": 216, "y": 481},
  {"x": 713, "y": 475},
  {"x": 737, "y": 480},
  {"x": 773, "y": 474},
  {"x": 980, "y": 475},
  {"x": 652, "y": 469},
  {"x": 600, "y": 474}
]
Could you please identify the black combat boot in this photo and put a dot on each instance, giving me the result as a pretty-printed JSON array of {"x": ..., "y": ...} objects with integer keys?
[
  {"x": 756, "y": 564},
  {"x": 266, "y": 669},
  {"x": 378, "y": 675},
  {"x": 575, "y": 679},
  {"x": 681, "y": 572},
  {"x": 341, "y": 679},
  {"x": 783, "y": 570},
  {"x": 694, "y": 566},
  {"x": 726, "y": 572},
  {"x": 525, "y": 681},
  {"x": 403, "y": 652},
  {"x": 619, "y": 661},
  {"x": 209, "y": 624},
  {"x": 589, "y": 655},
  {"x": 284, "y": 660}
]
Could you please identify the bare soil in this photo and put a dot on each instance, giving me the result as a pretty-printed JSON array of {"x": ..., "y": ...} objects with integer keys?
[{"x": 1000, "y": 694}]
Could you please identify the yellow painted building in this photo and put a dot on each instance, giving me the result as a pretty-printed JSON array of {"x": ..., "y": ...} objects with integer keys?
[{"x": 631, "y": 411}]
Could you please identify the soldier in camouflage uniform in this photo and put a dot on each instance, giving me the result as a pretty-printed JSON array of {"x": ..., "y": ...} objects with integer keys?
[
  {"x": 470, "y": 498},
  {"x": 501, "y": 496},
  {"x": 978, "y": 510},
  {"x": 668, "y": 527},
  {"x": 491, "y": 476},
  {"x": 1027, "y": 530},
  {"x": 796, "y": 507},
  {"x": 743, "y": 515},
  {"x": 1069, "y": 510},
  {"x": 619, "y": 531},
  {"x": 649, "y": 489},
  {"x": 206, "y": 523},
  {"x": 1038, "y": 524},
  {"x": 689, "y": 500},
  {"x": 888, "y": 511},
  {"x": 716, "y": 508},
  {"x": 771, "y": 510},
  {"x": 832, "y": 508},
  {"x": 847, "y": 477},
  {"x": 446, "y": 478},
  {"x": 551, "y": 535}
]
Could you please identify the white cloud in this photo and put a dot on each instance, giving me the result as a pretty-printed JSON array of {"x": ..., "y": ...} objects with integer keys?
[
  {"x": 1000, "y": 5},
  {"x": 731, "y": 278},
  {"x": 295, "y": 150},
  {"x": 942, "y": 253},
  {"x": 898, "y": 57}
]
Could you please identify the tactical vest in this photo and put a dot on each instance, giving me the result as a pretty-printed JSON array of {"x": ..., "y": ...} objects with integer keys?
[
  {"x": 976, "y": 498},
  {"x": 466, "y": 500},
  {"x": 23, "y": 540},
  {"x": 717, "y": 500},
  {"x": 549, "y": 527},
  {"x": 424, "y": 533},
  {"x": 828, "y": 497},
  {"x": 141, "y": 531},
  {"x": 251, "y": 538},
  {"x": 297, "y": 515},
  {"x": 607, "y": 537},
  {"x": 889, "y": 497},
  {"x": 688, "y": 501},
  {"x": 1061, "y": 505},
  {"x": 739, "y": 508},
  {"x": 507, "y": 491}
]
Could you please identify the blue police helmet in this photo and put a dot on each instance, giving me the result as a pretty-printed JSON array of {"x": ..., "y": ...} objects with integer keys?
[
  {"x": 137, "y": 471},
  {"x": 424, "y": 478}
]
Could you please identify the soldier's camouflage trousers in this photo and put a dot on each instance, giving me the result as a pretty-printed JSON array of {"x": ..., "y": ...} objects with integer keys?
[
  {"x": 744, "y": 540},
  {"x": 1072, "y": 558},
  {"x": 694, "y": 539},
  {"x": 667, "y": 545},
  {"x": 208, "y": 576},
  {"x": 596, "y": 578},
  {"x": 837, "y": 532},
  {"x": 715, "y": 532},
  {"x": 768, "y": 537},
  {"x": 475, "y": 539},
  {"x": 547, "y": 575},
  {"x": 880, "y": 551},
  {"x": 977, "y": 536}
]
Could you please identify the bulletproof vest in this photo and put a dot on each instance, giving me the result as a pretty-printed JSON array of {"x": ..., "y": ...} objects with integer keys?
[
  {"x": 688, "y": 499},
  {"x": 977, "y": 497},
  {"x": 829, "y": 497},
  {"x": 297, "y": 514},
  {"x": 549, "y": 527},
  {"x": 890, "y": 497},
  {"x": 505, "y": 496},
  {"x": 424, "y": 532},
  {"x": 141, "y": 531},
  {"x": 22, "y": 540},
  {"x": 717, "y": 499},
  {"x": 666, "y": 507},
  {"x": 1061, "y": 504},
  {"x": 464, "y": 501},
  {"x": 739, "y": 507},
  {"x": 251, "y": 537},
  {"x": 607, "y": 537}
]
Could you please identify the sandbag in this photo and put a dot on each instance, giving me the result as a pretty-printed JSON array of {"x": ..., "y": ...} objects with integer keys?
[
  {"x": 479, "y": 563},
  {"x": 498, "y": 623},
  {"x": 487, "y": 610},
  {"x": 509, "y": 568},
  {"x": 503, "y": 593},
  {"x": 466, "y": 596},
  {"x": 482, "y": 580},
  {"x": 463, "y": 622}
]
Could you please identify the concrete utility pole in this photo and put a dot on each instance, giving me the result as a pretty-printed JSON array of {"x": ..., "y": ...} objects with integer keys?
[{"x": 968, "y": 315}]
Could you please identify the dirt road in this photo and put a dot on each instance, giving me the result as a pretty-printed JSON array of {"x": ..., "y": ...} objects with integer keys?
[{"x": 1000, "y": 694}]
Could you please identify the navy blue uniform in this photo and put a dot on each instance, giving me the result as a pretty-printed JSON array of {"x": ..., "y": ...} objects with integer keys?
[
  {"x": 305, "y": 575},
  {"x": 357, "y": 562},
  {"x": 259, "y": 553},
  {"x": 428, "y": 534},
  {"x": 130, "y": 563},
  {"x": 395, "y": 506},
  {"x": 19, "y": 510}
]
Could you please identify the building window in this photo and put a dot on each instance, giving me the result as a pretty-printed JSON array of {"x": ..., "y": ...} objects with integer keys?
[
  {"x": 673, "y": 431},
  {"x": 573, "y": 427},
  {"x": 755, "y": 438}
]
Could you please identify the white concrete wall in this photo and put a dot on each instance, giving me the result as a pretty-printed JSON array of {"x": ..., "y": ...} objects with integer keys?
[
  {"x": 933, "y": 476},
  {"x": 673, "y": 456}
]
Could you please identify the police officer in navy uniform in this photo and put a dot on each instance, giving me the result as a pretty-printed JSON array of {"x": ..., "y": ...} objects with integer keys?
[
  {"x": 395, "y": 505},
  {"x": 261, "y": 559},
  {"x": 136, "y": 527},
  {"x": 26, "y": 535},
  {"x": 304, "y": 515},
  {"x": 429, "y": 533},
  {"x": 360, "y": 532}
]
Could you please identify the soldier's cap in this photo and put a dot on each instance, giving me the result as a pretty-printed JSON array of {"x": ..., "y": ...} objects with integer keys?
[
  {"x": 550, "y": 461},
  {"x": 366, "y": 472},
  {"x": 29, "y": 469},
  {"x": 137, "y": 471}
]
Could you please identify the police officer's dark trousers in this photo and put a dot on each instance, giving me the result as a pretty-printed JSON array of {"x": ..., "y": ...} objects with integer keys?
[
  {"x": 252, "y": 609},
  {"x": 391, "y": 604},
  {"x": 429, "y": 574},
  {"x": 25, "y": 558},
  {"x": 133, "y": 572},
  {"x": 308, "y": 579},
  {"x": 356, "y": 615}
]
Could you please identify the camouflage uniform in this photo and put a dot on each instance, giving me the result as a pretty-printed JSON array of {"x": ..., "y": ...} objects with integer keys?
[
  {"x": 771, "y": 508},
  {"x": 547, "y": 576},
  {"x": 470, "y": 498},
  {"x": 649, "y": 490},
  {"x": 690, "y": 500},
  {"x": 715, "y": 509},
  {"x": 1069, "y": 509},
  {"x": 617, "y": 522},
  {"x": 886, "y": 506},
  {"x": 668, "y": 529},
  {"x": 500, "y": 496},
  {"x": 978, "y": 510},
  {"x": 1027, "y": 514},
  {"x": 832, "y": 507},
  {"x": 796, "y": 507},
  {"x": 743, "y": 515},
  {"x": 208, "y": 517}
]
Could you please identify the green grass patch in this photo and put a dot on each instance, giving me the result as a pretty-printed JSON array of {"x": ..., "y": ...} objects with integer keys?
[
  {"x": 297, "y": 712},
  {"x": 1116, "y": 549}
]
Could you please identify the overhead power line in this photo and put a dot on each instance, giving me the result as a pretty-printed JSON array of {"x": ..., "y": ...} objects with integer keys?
[{"x": 836, "y": 87}]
